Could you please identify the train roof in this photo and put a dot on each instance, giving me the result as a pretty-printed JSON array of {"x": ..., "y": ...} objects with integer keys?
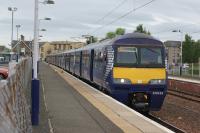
[
  {"x": 129, "y": 38},
  {"x": 135, "y": 35},
  {"x": 137, "y": 39}
]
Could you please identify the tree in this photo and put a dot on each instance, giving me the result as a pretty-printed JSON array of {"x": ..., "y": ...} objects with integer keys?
[
  {"x": 188, "y": 49},
  {"x": 197, "y": 51},
  {"x": 91, "y": 39},
  {"x": 94, "y": 39},
  {"x": 120, "y": 31},
  {"x": 110, "y": 35},
  {"x": 141, "y": 29}
]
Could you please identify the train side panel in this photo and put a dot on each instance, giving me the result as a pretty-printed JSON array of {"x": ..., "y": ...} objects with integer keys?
[
  {"x": 99, "y": 65},
  {"x": 77, "y": 63},
  {"x": 62, "y": 61},
  {"x": 67, "y": 61},
  {"x": 72, "y": 62},
  {"x": 85, "y": 71}
]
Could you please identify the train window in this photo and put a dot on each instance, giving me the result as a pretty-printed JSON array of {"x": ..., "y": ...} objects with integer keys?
[
  {"x": 151, "y": 56},
  {"x": 127, "y": 55}
]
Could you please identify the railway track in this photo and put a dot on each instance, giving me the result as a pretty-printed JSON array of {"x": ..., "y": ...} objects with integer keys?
[
  {"x": 185, "y": 95},
  {"x": 165, "y": 124}
]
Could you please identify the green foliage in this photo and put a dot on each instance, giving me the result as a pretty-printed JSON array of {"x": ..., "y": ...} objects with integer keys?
[
  {"x": 197, "y": 51},
  {"x": 120, "y": 31},
  {"x": 7, "y": 50},
  {"x": 141, "y": 29},
  {"x": 191, "y": 50},
  {"x": 92, "y": 39},
  {"x": 110, "y": 35}
]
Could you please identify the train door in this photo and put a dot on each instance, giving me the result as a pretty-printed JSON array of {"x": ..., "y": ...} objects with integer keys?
[
  {"x": 69, "y": 55},
  {"x": 65, "y": 59},
  {"x": 80, "y": 73},
  {"x": 91, "y": 64}
]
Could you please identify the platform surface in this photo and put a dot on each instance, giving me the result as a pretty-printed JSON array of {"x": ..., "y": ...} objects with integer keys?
[{"x": 73, "y": 106}]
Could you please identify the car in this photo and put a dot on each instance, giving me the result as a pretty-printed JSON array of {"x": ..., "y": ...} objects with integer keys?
[{"x": 3, "y": 73}]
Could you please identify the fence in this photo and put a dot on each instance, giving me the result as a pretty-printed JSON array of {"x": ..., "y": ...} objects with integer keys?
[
  {"x": 189, "y": 70},
  {"x": 15, "y": 99}
]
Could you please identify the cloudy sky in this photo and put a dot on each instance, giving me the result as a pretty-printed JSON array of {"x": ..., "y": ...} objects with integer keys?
[{"x": 73, "y": 18}]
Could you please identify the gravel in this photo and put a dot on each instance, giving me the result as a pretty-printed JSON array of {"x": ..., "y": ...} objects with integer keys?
[{"x": 181, "y": 113}]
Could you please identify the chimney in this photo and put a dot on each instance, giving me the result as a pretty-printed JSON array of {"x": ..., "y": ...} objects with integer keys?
[{"x": 22, "y": 38}]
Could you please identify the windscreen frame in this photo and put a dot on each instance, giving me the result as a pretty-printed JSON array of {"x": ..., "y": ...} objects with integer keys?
[{"x": 139, "y": 65}]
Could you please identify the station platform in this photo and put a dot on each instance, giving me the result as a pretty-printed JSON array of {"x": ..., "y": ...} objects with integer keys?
[{"x": 69, "y": 105}]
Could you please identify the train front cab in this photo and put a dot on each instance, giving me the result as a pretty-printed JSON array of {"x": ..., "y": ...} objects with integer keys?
[{"x": 139, "y": 77}]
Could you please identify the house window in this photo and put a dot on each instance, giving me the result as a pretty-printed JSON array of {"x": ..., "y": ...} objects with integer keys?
[
  {"x": 55, "y": 47},
  {"x": 60, "y": 46},
  {"x": 64, "y": 46},
  {"x": 42, "y": 49}
]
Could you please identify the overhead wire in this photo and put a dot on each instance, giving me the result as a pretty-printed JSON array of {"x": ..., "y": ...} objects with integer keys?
[
  {"x": 111, "y": 11},
  {"x": 126, "y": 14}
]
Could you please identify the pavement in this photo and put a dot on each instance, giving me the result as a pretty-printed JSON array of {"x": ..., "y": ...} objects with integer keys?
[{"x": 64, "y": 110}]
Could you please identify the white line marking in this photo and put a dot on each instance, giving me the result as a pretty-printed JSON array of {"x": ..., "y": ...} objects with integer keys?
[
  {"x": 44, "y": 97},
  {"x": 46, "y": 108},
  {"x": 50, "y": 125},
  {"x": 131, "y": 110},
  {"x": 184, "y": 79}
]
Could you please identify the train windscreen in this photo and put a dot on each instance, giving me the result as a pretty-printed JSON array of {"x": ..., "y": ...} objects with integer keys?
[{"x": 139, "y": 56}]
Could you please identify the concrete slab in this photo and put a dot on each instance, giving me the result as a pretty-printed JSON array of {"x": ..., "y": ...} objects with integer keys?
[{"x": 68, "y": 111}]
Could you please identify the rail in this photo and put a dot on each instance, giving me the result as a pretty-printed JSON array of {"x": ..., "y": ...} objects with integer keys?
[{"x": 165, "y": 124}]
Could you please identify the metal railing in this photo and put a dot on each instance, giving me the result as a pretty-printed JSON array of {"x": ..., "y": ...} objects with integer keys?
[
  {"x": 189, "y": 70},
  {"x": 15, "y": 98}
]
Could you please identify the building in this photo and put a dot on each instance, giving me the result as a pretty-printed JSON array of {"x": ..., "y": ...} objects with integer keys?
[
  {"x": 24, "y": 47},
  {"x": 47, "y": 48},
  {"x": 4, "y": 54},
  {"x": 173, "y": 52}
]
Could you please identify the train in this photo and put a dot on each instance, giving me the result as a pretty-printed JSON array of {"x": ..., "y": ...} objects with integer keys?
[{"x": 130, "y": 68}]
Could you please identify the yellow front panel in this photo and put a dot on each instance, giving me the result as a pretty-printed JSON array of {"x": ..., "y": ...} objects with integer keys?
[{"x": 139, "y": 75}]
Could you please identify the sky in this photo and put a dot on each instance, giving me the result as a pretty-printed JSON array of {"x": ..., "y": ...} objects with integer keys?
[{"x": 73, "y": 18}]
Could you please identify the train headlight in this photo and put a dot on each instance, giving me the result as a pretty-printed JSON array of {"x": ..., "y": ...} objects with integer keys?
[
  {"x": 157, "y": 81},
  {"x": 121, "y": 81}
]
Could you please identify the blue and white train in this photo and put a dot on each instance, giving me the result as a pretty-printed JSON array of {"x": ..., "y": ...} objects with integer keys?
[{"x": 131, "y": 68}]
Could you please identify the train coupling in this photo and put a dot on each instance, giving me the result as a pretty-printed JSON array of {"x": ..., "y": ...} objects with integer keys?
[{"x": 140, "y": 101}]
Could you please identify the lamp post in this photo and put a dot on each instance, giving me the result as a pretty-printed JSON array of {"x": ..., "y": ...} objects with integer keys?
[
  {"x": 181, "y": 54},
  {"x": 18, "y": 44},
  {"x": 48, "y": 19},
  {"x": 43, "y": 30},
  {"x": 38, "y": 45},
  {"x": 89, "y": 38},
  {"x": 35, "y": 80},
  {"x": 18, "y": 26},
  {"x": 12, "y": 9}
]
